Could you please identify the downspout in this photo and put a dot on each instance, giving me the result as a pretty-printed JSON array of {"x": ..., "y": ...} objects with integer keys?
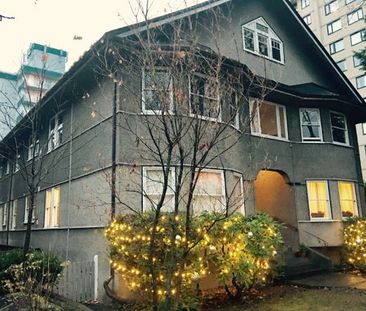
[
  {"x": 8, "y": 207},
  {"x": 114, "y": 148},
  {"x": 69, "y": 182}
]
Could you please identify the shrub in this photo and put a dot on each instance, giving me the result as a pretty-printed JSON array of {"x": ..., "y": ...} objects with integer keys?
[
  {"x": 355, "y": 243},
  {"x": 244, "y": 251}
]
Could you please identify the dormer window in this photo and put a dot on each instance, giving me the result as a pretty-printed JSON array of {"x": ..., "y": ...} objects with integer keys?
[{"x": 260, "y": 39}]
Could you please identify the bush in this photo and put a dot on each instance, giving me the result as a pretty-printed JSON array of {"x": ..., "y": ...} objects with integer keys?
[
  {"x": 244, "y": 251},
  {"x": 355, "y": 243}
]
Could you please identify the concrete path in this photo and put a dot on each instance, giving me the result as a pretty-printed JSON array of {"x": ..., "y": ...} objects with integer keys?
[{"x": 333, "y": 280}]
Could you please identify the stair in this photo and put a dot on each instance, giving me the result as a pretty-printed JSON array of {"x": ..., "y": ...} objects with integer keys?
[{"x": 314, "y": 263}]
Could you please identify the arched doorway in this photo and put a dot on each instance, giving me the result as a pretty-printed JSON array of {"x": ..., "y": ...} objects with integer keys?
[{"x": 275, "y": 196}]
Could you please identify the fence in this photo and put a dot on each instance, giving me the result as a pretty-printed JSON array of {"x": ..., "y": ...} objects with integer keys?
[{"x": 79, "y": 281}]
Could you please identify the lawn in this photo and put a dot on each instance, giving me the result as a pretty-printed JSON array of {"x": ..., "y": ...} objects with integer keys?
[{"x": 290, "y": 298}]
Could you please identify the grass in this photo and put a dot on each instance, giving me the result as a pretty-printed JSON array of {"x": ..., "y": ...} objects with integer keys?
[{"x": 290, "y": 298}]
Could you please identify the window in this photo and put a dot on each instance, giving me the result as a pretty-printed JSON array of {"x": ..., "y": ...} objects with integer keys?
[
  {"x": 13, "y": 214},
  {"x": 334, "y": 26},
  {"x": 26, "y": 210},
  {"x": 339, "y": 128},
  {"x": 336, "y": 46},
  {"x": 311, "y": 129},
  {"x": 364, "y": 128},
  {"x": 331, "y": 7},
  {"x": 16, "y": 166},
  {"x": 342, "y": 65},
  {"x": 5, "y": 214},
  {"x": 349, "y": 1},
  {"x": 153, "y": 183},
  {"x": 209, "y": 194},
  {"x": 33, "y": 150},
  {"x": 358, "y": 37},
  {"x": 355, "y": 16},
  {"x": 305, "y": 3},
  {"x": 157, "y": 94},
  {"x": 233, "y": 109},
  {"x": 361, "y": 82},
  {"x": 356, "y": 61},
  {"x": 318, "y": 199},
  {"x": 55, "y": 134},
  {"x": 260, "y": 39},
  {"x": 204, "y": 97},
  {"x": 347, "y": 199},
  {"x": 237, "y": 196},
  {"x": 268, "y": 119},
  {"x": 7, "y": 167},
  {"x": 307, "y": 19},
  {"x": 52, "y": 208}
]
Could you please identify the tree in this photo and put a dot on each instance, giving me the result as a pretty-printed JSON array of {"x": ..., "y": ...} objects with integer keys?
[
  {"x": 187, "y": 120},
  {"x": 362, "y": 56},
  {"x": 21, "y": 148}
]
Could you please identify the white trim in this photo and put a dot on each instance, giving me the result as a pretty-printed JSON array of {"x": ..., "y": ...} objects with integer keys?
[
  {"x": 312, "y": 140},
  {"x": 170, "y": 90}
]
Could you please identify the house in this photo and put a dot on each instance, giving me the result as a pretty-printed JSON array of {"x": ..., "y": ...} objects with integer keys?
[
  {"x": 41, "y": 68},
  {"x": 296, "y": 158}
]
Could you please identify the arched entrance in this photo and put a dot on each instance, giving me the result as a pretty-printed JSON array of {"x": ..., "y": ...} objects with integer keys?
[{"x": 275, "y": 196}]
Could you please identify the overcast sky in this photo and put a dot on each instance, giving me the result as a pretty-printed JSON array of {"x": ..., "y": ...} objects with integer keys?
[{"x": 56, "y": 22}]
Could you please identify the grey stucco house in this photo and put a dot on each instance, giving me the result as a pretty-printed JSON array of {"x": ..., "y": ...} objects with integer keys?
[{"x": 305, "y": 172}]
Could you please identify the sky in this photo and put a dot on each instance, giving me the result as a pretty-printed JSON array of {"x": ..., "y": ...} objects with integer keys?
[{"x": 56, "y": 22}]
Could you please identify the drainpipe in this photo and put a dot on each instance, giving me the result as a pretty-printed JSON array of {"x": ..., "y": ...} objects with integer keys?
[
  {"x": 8, "y": 205},
  {"x": 114, "y": 142}
]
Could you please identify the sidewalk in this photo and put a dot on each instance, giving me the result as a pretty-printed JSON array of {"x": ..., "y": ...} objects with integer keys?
[{"x": 333, "y": 280}]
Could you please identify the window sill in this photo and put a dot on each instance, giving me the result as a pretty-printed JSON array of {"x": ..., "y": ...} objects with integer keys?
[
  {"x": 319, "y": 221},
  {"x": 270, "y": 137}
]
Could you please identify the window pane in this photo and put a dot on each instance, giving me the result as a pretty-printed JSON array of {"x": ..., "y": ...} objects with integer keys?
[
  {"x": 338, "y": 121},
  {"x": 263, "y": 44},
  {"x": 282, "y": 121},
  {"x": 318, "y": 199},
  {"x": 209, "y": 183},
  {"x": 48, "y": 208},
  {"x": 56, "y": 206},
  {"x": 339, "y": 128},
  {"x": 347, "y": 199},
  {"x": 268, "y": 119},
  {"x": 276, "y": 50},
  {"x": 339, "y": 135},
  {"x": 249, "y": 39}
]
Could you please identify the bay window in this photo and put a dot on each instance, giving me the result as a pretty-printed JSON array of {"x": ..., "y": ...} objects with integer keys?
[
  {"x": 347, "y": 199},
  {"x": 268, "y": 119},
  {"x": 318, "y": 200},
  {"x": 209, "y": 194},
  {"x": 157, "y": 90},
  {"x": 153, "y": 184},
  {"x": 311, "y": 129},
  {"x": 339, "y": 128},
  {"x": 52, "y": 208}
]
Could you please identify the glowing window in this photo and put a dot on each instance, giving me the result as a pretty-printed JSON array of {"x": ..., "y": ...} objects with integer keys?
[
  {"x": 52, "y": 208},
  {"x": 347, "y": 199},
  {"x": 318, "y": 199}
]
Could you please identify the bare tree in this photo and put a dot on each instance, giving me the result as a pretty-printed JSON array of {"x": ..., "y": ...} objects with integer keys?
[{"x": 186, "y": 116}]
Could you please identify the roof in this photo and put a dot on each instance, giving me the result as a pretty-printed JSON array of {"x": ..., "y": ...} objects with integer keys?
[
  {"x": 47, "y": 49},
  {"x": 8, "y": 76},
  {"x": 311, "y": 89}
]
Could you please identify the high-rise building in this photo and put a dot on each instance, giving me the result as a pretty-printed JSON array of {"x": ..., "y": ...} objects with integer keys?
[
  {"x": 41, "y": 68},
  {"x": 340, "y": 27}
]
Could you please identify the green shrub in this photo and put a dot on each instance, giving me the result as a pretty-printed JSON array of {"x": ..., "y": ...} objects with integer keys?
[{"x": 355, "y": 243}]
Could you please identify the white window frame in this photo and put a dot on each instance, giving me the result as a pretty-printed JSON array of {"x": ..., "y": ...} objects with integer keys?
[
  {"x": 307, "y": 19},
  {"x": 363, "y": 77},
  {"x": 318, "y": 219},
  {"x": 31, "y": 149},
  {"x": 5, "y": 209},
  {"x": 343, "y": 61},
  {"x": 145, "y": 200},
  {"x": 356, "y": 13},
  {"x": 355, "y": 202},
  {"x": 217, "y": 99},
  {"x": 270, "y": 35},
  {"x": 223, "y": 189},
  {"x": 16, "y": 166},
  {"x": 331, "y": 7},
  {"x": 256, "y": 118},
  {"x": 26, "y": 210},
  {"x": 143, "y": 96},
  {"x": 310, "y": 139},
  {"x": 331, "y": 27},
  {"x": 55, "y": 133},
  {"x": 241, "y": 181},
  {"x": 52, "y": 210},
  {"x": 356, "y": 61},
  {"x": 362, "y": 37},
  {"x": 333, "y": 45},
  {"x": 345, "y": 129},
  {"x": 13, "y": 214},
  {"x": 305, "y": 4}
]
